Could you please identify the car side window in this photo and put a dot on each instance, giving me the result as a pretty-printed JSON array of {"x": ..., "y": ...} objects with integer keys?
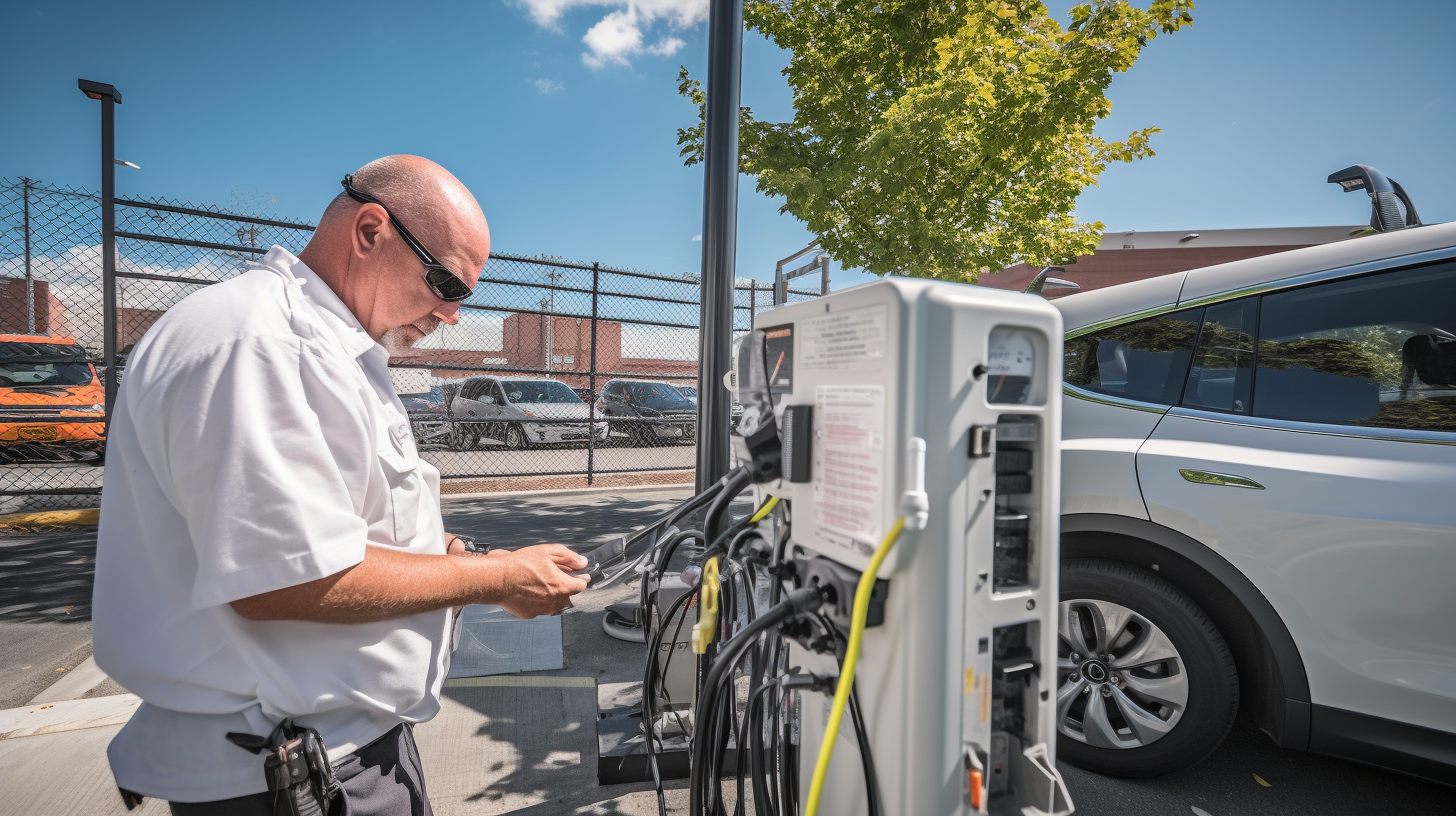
[
  {"x": 1377, "y": 351},
  {"x": 1223, "y": 362},
  {"x": 1145, "y": 360}
]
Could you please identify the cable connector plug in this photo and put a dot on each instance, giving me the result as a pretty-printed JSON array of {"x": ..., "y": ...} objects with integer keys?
[
  {"x": 914, "y": 504},
  {"x": 707, "y": 626},
  {"x": 797, "y": 679},
  {"x": 808, "y": 599}
]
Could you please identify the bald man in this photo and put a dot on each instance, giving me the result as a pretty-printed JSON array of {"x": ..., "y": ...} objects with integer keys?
[{"x": 271, "y": 545}]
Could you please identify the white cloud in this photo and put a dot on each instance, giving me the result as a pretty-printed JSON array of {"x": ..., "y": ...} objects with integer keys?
[
  {"x": 547, "y": 86},
  {"x": 659, "y": 342},
  {"x": 632, "y": 28},
  {"x": 698, "y": 237},
  {"x": 666, "y": 47}
]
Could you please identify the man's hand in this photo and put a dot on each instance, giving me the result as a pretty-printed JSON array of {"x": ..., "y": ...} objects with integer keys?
[
  {"x": 391, "y": 584},
  {"x": 538, "y": 580}
]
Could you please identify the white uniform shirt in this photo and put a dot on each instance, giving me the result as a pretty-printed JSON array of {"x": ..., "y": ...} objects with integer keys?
[{"x": 257, "y": 444}]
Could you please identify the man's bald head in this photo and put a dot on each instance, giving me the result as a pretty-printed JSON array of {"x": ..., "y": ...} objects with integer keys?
[
  {"x": 361, "y": 256},
  {"x": 420, "y": 193}
]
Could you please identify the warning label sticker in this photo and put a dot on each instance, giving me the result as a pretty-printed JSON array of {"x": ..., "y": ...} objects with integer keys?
[
  {"x": 849, "y": 459},
  {"x": 843, "y": 339}
]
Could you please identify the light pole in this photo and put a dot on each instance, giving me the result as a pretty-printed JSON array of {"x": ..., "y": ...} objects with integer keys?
[
  {"x": 110, "y": 98},
  {"x": 29, "y": 280},
  {"x": 720, "y": 235}
]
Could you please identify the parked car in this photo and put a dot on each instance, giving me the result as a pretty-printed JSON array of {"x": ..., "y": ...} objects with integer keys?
[
  {"x": 519, "y": 413},
  {"x": 52, "y": 406},
  {"x": 587, "y": 395},
  {"x": 648, "y": 412},
  {"x": 1258, "y": 470},
  {"x": 691, "y": 392},
  {"x": 428, "y": 415}
]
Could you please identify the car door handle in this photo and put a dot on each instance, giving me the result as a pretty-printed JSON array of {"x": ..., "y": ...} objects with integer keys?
[{"x": 1223, "y": 479}]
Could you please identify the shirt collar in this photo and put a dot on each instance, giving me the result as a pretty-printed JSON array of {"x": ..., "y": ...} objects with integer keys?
[{"x": 331, "y": 310}]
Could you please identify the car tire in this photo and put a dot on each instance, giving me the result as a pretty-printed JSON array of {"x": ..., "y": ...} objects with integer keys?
[
  {"x": 1169, "y": 690},
  {"x": 516, "y": 438},
  {"x": 456, "y": 439}
]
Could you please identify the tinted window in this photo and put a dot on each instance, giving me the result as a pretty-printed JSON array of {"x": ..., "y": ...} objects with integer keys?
[
  {"x": 1378, "y": 352},
  {"x": 540, "y": 391},
  {"x": 28, "y": 373},
  {"x": 1224, "y": 359},
  {"x": 1145, "y": 360}
]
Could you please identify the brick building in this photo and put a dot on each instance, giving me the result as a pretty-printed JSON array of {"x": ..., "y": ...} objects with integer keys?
[
  {"x": 1129, "y": 256},
  {"x": 525, "y": 339},
  {"x": 14, "y": 317}
]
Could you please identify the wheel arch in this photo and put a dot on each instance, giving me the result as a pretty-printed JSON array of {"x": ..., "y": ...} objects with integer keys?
[{"x": 1274, "y": 689}]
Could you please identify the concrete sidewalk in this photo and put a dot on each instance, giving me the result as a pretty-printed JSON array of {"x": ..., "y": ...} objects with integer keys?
[{"x": 520, "y": 744}]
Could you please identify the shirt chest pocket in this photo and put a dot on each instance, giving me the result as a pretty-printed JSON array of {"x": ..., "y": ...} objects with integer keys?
[{"x": 400, "y": 463}]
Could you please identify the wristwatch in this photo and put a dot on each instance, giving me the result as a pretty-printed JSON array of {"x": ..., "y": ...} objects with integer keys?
[{"x": 471, "y": 546}]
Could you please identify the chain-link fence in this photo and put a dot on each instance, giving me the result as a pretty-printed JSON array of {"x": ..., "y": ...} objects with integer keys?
[{"x": 558, "y": 374}]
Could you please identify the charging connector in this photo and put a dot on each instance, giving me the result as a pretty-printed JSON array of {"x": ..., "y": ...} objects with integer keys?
[{"x": 914, "y": 504}]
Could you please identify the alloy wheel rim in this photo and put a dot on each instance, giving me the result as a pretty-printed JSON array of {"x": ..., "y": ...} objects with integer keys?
[{"x": 1120, "y": 681}]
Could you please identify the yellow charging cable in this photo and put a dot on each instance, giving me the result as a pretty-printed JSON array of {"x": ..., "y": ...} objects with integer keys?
[
  {"x": 851, "y": 657},
  {"x": 763, "y": 511}
]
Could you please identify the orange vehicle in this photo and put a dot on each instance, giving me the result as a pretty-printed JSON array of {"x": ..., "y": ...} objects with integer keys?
[{"x": 52, "y": 406}]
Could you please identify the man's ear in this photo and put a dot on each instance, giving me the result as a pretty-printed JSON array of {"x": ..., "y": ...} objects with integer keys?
[{"x": 368, "y": 232}]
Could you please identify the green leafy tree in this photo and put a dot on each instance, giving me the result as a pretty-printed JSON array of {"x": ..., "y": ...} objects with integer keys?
[{"x": 942, "y": 138}]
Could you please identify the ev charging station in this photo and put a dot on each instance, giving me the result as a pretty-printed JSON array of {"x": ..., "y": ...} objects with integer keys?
[{"x": 957, "y": 681}]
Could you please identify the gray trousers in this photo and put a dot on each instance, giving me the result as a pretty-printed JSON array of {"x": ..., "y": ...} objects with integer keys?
[{"x": 384, "y": 778}]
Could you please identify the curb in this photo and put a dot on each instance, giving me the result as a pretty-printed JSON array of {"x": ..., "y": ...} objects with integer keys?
[{"x": 50, "y": 518}]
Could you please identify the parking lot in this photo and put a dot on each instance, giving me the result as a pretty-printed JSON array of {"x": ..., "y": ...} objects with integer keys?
[{"x": 45, "y": 625}]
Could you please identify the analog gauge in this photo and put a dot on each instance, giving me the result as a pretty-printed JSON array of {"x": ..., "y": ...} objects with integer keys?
[{"x": 1010, "y": 367}]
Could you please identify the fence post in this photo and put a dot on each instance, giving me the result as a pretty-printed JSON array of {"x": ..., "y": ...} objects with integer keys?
[
  {"x": 29, "y": 281},
  {"x": 591, "y": 431}
]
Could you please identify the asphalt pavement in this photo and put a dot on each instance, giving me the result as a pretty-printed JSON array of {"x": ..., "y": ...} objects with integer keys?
[
  {"x": 533, "y": 760},
  {"x": 45, "y": 610}
]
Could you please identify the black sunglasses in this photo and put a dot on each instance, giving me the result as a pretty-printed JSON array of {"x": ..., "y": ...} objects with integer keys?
[{"x": 441, "y": 281}]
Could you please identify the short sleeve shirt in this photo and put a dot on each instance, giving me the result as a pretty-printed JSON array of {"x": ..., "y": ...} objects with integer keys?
[{"x": 256, "y": 444}]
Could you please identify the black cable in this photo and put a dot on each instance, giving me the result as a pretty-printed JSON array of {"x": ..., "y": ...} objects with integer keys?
[
  {"x": 735, "y": 482},
  {"x": 867, "y": 758},
  {"x": 678, "y": 512},
  {"x": 797, "y": 602},
  {"x": 649, "y": 686}
]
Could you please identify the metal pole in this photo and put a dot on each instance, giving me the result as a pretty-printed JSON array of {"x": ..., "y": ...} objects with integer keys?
[
  {"x": 108, "y": 246},
  {"x": 591, "y": 433},
  {"x": 720, "y": 235},
  {"x": 823, "y": 274},
  {"x": 29, "y": 281}
]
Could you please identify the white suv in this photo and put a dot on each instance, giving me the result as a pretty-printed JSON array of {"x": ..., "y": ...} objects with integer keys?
[{"x": 1259, "y": 509}]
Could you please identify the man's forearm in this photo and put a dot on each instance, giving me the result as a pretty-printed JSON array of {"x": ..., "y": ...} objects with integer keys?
[{"x": 386, "y": 584}]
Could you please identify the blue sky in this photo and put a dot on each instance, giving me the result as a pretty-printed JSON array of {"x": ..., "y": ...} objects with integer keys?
[{"x": 561, "y": 114}]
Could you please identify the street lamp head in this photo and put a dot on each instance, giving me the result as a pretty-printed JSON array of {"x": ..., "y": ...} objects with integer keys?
[
  {"x": 125, "y": 163},
  {"x": 98, "y": 90}
]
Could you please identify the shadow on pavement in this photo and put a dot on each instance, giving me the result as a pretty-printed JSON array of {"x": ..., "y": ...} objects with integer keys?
[{"x": 47, "y": 577}]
